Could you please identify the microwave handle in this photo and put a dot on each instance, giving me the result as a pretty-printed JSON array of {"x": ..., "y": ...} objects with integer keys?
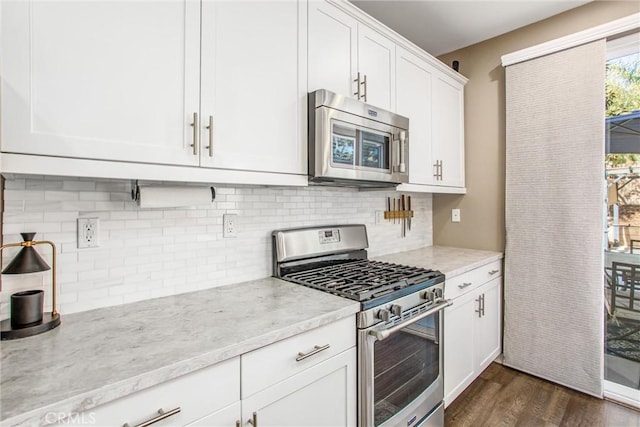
[{"x": 402, "y": 140}]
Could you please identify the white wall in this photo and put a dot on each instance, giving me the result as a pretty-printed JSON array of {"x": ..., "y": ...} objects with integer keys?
[{"x": 148, "y": 253}]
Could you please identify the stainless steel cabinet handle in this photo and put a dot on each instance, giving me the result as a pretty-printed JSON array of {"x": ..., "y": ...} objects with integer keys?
[
  {"x": 161, "y": 416},
  {"x": 465, "y": 284},
  {"x": 210, "y": 128},
  {"x": 438, "y": 174},
  {"x": 492, "y": 272},
  {"x": 482, "y": 305},
  {"x": 364, "y": 82},
  {"x": 386, "y": 333},
  {"x": 316, "y": 349},
  {"x": 402, "y": 167},
  {"x": 253, "y": 420},
  {"x": 357, "y": 82},
  {"x": 195, "y": 134}
]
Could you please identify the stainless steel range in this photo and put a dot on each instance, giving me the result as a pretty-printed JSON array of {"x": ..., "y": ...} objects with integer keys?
[{"x": 399, "y": 326}]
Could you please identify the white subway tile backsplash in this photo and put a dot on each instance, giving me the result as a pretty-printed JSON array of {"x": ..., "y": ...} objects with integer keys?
[{"x": 147, "y": 253}]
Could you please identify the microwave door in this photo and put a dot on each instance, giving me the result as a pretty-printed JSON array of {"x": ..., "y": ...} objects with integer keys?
[{"x": 374, "y": 151}]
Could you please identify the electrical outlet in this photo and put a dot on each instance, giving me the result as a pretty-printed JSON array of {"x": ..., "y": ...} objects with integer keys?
[
  {"x": 455, "y": 215},
  {"x": 379, "y": 217},
  {"x": 88, "y": 232},
  {"x": 229, "y": 224}
]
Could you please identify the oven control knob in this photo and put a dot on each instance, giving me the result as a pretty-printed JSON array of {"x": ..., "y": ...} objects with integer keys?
[
  {"x": 383, "y": 315},
  {"x": 432, "y": 294},
  {"x": 396, "y": 309}
]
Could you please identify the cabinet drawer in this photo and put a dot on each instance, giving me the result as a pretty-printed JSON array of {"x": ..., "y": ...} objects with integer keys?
[
  {"x": 268, "y": 365},
  {"x": 459, "y": 285},
  {"x": 196, "y": 394}
]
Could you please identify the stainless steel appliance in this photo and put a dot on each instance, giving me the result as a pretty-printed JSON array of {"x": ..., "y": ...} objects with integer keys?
[
  {"x": 399, "y": 327},
  {"x": 355, "y": 144}
]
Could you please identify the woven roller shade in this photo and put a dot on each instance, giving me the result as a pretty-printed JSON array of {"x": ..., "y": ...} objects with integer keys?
[{"x": 554, "y": 323}]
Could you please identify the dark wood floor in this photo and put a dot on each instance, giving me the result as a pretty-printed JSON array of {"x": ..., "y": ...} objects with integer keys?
[{"x": 505, "y": 397}]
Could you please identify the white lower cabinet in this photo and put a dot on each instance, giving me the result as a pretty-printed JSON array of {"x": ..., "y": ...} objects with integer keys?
[
  {"x": 323, "y": 395},
  {"x": 225, "y": 417},
  {"x": 472, "y": 328},
  {"x": 191, "y": 396},
  {"x": 305, "y": 380}
]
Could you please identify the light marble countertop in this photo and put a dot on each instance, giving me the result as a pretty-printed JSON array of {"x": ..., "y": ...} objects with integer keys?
[
  {"x": 449, "y": 260},
  {"x": 100, "y": 355}
]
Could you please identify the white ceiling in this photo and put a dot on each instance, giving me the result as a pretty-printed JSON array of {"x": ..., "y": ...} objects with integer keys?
[{"x": 443, "y": 26}]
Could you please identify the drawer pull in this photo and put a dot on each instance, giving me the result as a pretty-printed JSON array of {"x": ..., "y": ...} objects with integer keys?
[
  {"x": 492, "y": 272},
  {"x": 464, "y": 285},
  {"x": 316, "y": 349},
  {"x": 161, "y": 416}
]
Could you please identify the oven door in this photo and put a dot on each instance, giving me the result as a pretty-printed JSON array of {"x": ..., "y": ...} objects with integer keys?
[{"x": 400, "y": 369}]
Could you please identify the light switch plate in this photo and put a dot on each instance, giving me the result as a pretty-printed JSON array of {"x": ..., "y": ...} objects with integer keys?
[{"x": 455, "y": 215}]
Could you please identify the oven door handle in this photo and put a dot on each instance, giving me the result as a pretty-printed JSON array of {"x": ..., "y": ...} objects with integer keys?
[{"x": 386, "y": 333}]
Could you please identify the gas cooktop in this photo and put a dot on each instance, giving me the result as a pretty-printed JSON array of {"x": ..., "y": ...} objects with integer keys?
[
  {"x": 334, "y": 259},
  {"x": 363, "y": 280}
]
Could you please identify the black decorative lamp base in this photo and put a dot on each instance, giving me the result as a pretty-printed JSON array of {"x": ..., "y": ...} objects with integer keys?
[
  {"x": 49, "y": 322},
  {"x": 27, "y": 318}
]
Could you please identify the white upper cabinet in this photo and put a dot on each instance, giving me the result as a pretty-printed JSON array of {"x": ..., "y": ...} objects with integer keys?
[
  {"x": 101, "y": 79},
  {"x": 253, "y": 87},
  {"x": 376, "y": 64},
  {"x": 349, "y": 58},
  {"x": 413, "y": 97},
  {"x": 216, "y": 86},
  {"x": 433, "y": 102},
  {"x": 448, "y": 130},
  {"x": 333, "y": 49}
]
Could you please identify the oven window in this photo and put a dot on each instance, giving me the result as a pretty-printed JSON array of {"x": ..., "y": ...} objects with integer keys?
[{"x": 405, "y": 365}]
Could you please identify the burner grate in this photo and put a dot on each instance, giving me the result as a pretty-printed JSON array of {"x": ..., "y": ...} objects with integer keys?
[{"x": 361, "y": 280}]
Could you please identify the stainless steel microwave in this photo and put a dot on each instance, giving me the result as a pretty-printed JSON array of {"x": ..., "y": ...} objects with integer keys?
[{"x": 356, "y": 144}]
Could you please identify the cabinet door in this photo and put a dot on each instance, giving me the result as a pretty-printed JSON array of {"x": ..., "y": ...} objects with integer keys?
[
  {"x": 413, "y": 98},
  {"x": 101, "y": 79},
  {"x": 376, "y": 62},
  {"x": 225, "y": 417},
  {"x": 197, "y": 394},
  {"x": 459, "y": 345},
  {"x": 253, "y": 86},
  {"x": 448, "y": 134},
  {"x": 488, "y": 332},
  {"x": 323, "y": 395},
  {"x": 333, "y": 44}
]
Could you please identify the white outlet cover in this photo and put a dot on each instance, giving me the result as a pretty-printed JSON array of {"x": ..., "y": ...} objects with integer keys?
[
  {"x": 88, "y": 233},
  {"x": 229, "y": 225},
  {"x": 379, "y": 217}
]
